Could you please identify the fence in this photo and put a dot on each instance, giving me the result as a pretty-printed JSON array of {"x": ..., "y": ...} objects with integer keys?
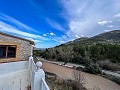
[{"x": 37, "y": 76}]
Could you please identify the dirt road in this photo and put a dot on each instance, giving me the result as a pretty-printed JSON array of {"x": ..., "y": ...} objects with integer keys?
[{"x": 91, "y": 80}]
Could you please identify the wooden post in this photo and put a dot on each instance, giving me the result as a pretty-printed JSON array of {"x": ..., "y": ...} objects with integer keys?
[{"x": 6, "y": 52}]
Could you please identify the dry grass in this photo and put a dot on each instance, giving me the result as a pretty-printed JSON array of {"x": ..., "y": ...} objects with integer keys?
[{"x": 79, "y": 80}]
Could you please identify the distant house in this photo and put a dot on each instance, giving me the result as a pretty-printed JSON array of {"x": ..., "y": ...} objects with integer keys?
[
  {"x": 14, "y": 48},
  {"x": 18, "y": 70}
]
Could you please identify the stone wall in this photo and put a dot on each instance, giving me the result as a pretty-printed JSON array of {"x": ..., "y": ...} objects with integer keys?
[{"x": 23, "y": 48}]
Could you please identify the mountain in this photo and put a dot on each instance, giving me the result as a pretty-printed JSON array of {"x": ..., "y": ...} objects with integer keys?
[
  {"x": 112, "y": 35},
  {"x": 107, "y": 37},
  {"x": 41, "y": 49},
  {"x": 77, "y": 40}
]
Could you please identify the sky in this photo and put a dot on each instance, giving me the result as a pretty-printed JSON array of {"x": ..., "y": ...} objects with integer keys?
[{"x": 52, "y": 22}]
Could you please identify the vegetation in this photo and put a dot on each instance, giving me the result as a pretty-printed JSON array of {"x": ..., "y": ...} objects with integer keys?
[
  {"x": 88, "y": 55},
  {"x": 79, "y": 81},
  {"x": 38, "y": 52},
  {"x": 113, "y": 78},
  {"x": 91, "y": 52},
  {"x": 57, "y": 83}
]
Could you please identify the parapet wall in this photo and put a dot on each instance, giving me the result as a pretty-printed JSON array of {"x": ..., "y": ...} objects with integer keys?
[
  {"x": 14, "y": 76},
  {"x": 6, "y": 68}
]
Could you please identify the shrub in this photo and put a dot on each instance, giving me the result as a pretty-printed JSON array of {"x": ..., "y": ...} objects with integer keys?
[
  {"x": 113, "y": 78},
  {"x": 79, "y": 81},
  {"x": 93, "y": 68},
  {"x": 109, "y": 65}
]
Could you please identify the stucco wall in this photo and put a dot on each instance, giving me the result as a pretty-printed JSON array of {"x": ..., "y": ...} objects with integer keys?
[
  {"x": 14, "y": 76},
  {"x": 6, "y": 68},
  {"x": 23, "y": 47}
]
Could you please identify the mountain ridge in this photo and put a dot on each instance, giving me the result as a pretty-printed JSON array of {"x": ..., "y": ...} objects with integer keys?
[{"x": 106, "y": 37}]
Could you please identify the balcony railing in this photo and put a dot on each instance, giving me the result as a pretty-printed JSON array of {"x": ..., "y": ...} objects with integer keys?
[
  {"x": 44, "y": 85},
  {"x": 37, "y": 76}
]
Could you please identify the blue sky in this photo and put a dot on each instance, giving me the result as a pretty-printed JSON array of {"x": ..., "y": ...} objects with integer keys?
[{"x": 53, "y": 22}]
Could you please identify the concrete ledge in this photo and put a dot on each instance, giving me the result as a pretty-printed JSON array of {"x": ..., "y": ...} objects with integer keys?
[{"x": 13, "y": 67}]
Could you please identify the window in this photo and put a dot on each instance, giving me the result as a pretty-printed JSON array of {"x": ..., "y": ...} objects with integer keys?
[
  {"x": 2, "y": 52},
  {"x": 7, "y": 51}
]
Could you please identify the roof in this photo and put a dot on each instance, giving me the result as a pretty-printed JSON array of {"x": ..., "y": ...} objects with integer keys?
[{"x": 31, "y": 42}]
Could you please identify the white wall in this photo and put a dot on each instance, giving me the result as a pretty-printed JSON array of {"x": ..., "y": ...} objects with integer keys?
[
  {"x": 13, "y": 67},
  {"x": 14, "y": 76}
]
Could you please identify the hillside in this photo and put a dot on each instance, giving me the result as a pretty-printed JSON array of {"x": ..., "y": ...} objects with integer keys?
[
  {"x": 101, "y": 51},
  {"x": 77, "y": 40},
  {"x": 107, "y": 37},
  {"x": 112, "y": 35}
]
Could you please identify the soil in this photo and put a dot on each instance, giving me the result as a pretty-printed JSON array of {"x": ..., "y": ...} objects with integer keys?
[{"x": 91, "y": 81}]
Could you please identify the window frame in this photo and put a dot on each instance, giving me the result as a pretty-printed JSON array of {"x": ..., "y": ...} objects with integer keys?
[{"x": 6, "y": 51}]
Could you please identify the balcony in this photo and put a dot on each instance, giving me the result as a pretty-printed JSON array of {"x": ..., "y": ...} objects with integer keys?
[{"x": 22, "y": 75}]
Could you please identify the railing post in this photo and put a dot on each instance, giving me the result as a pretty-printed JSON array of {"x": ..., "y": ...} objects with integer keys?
[
  {"x": 37, "y": 76},
  {"x": 30, "y": 60}
]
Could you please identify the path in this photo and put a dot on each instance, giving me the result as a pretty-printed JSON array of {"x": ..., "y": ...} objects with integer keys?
[{"x": 90, "y": 79}]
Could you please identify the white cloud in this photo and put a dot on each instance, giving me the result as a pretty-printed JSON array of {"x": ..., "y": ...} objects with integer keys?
[
  {"x": 64, "y": 36},
  {"x": 116, "y": 5},
  {"x": 35, "y": 40},
  {"x": 77, "y": 36},
  {"x": 13, "y": 26},
  {"x": 83, "y": 36},
  {"x": 17, "y": 23},
  {"x": 52, "y": 34},
  {"x": 49, "y": 34},
  {"x": 10, "y": 29},
  {"x": 55, "y": 25},
  {"x": 107, "y": 30},
  {"x": 110, "y": 30},
  {"x": 45, "y": 35},
  {"x": 110, "y": 26},
  {"x": 117, "y": 16},
  {"x": 104, "y": 22},
  {"x": 83, "y": 16},
  {"x": 63, "y": 39},
  {"x": 60, "y": 41}
]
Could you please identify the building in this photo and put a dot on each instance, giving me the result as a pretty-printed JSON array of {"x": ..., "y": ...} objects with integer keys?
[
  {"x": 14, "y": 48},
  {"x": 17, "y": 66}
]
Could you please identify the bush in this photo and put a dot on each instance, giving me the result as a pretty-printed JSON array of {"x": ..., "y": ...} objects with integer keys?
[
  {"x": 79, "y": 81},
  {"x": 113, "y": 78},
  {"x": 109, "y": 65},
  {"x": 93, "y": 68}
]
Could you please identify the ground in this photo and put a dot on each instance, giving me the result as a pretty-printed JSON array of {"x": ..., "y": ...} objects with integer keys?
[{"x": 91, "y": 80}]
